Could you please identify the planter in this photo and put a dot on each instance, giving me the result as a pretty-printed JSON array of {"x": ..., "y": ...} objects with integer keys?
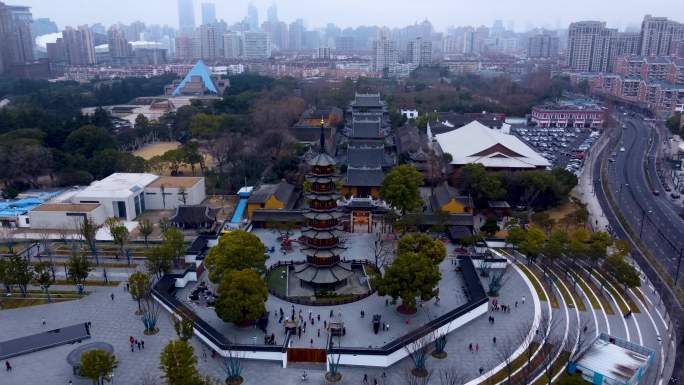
[
  {"x": 151, "y": 332},
  {"x": 329, "y": 377},
  {"x": 440, "y": 355},
  {"x": 406, "y": 310},
  {"x": 235, "y": 381},
  {"x": 420, "y": 372},
  {"x": 244, "y": 323}
]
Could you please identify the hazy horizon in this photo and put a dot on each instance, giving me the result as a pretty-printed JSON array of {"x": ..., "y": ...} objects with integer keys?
[{"x": 524, "y": 14}]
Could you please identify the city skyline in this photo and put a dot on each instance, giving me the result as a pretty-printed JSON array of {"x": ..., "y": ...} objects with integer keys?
[{"x": 317, "y": 14}]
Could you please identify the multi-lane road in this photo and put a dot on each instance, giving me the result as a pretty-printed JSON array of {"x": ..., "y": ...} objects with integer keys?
[{"x": 633, "y": 181}]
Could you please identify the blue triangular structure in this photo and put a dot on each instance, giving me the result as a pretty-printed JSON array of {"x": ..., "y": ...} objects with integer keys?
[{"x": 201, "y": 70}]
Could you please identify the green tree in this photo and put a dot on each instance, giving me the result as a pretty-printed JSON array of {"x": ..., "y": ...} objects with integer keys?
[
  {"x": 174, "y": 160},
  {"x": 88, "y": 140},
  {"x": 490, "y": 227},
  {"x": 236, "y": 250},
  {"x": 193, "y": 156},
  {"x": 556, "y": 246},
  {"x": 400, "y": 188},
  {"x": 242, "y": 296},
  {"x": 423, "y": 244},
  {"x": 532, "y": 245},
  {"x": 481, "y": 184},
  {"x": 179, "y": 364},
  {"x": 98, "y": 366},
  {"x": 579, "y": 242},
  {"x": 88, "y": 231},
  {"x": 411, "y": 275},
  {"x": 120, "y": 238},
  {"x": 43, "y": 277},
  {"x": 623, "y": 272},
  {"x": 543, "y": 220},
  {"x": 516, "y": 235},
  {"x": 6, "y": 275},
  {"x": 139, "y": 286},
  {"x": 22, "y": 273},
  {"x": 146, "y": 228},
  {"x": 674, "y": 123},
  {"x": 174, "y": 243},
  {"x": 205, "y": 126},
  {"x": 78, "y": 269},
  {"x": 158, "y": 260},
  {"x": 598, "y": 246}
]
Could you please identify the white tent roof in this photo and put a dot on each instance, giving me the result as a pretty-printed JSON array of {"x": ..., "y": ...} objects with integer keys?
[
  {"x": 118, "y": 185},
  {"x": 477, "y": 143}
]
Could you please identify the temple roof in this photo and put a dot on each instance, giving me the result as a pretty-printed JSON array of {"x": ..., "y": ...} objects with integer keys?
[
  {"x": 322, "y": 159},
  {"x": 324, "y": 275}
]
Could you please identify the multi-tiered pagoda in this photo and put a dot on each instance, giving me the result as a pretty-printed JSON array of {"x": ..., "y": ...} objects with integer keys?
[{"x": 323, "y": 269}]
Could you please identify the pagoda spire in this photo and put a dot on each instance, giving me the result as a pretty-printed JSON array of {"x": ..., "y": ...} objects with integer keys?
[{"x": 323, "y": 151}]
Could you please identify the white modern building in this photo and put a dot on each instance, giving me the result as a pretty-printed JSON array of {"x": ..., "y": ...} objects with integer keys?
[
  {"x": 495, "y": 150},
  {"x": 120, "y": 195}
]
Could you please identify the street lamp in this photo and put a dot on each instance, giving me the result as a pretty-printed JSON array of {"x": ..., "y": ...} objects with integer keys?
[{"x": 643, "y": 218}]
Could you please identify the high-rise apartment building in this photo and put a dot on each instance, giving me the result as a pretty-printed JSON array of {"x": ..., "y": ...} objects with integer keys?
[
  {"x": 272, "y": 13},
  {"x": 43, "y": 26},
  {"x": 56, "y": 52},
  {"x": 79, "y": 46},
  {"x": 184, "y": 48},
  {"x": 186, "y": 16},
  {"x": 232, "y": 45},
  {"x": 211, "y": 42},
  {"x": 543, "y": 46},
  {"x": 589, "y": 46},
  {"x": 384, "y": 54},
  {"x": 16, "y": 39},
  {"x": 252, "y": 17},
  {"x": 344, "y": 44},
  {"x": 257, "y": 45},
  {"x": 208, "y": 13},
  {"x": 419, "y": 52},
  {"x": 296, "y": 35},
  {"x": 626, "y": 44},
  {"x": 660, "y": 36},
  {"x": 119, "y": 47}
]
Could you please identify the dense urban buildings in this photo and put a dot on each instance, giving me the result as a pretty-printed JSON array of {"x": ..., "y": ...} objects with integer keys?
[
  {"x": 186, "y": 16},
  {"x": 544, "y": 45},
  {"x": 589, "y": 48}
]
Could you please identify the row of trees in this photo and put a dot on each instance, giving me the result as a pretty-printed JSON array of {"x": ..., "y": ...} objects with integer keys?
[
  {"x": 538, "y": 189},
  {"x": 578, "y": 245}
]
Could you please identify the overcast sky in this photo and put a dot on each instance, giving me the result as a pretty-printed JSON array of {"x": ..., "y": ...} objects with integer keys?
[{"x": 344, "y": 13}]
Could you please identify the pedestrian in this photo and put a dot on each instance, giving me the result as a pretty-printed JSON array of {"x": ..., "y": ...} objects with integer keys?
[
  {"x": 44, "y": 322},
  {"x": 112, "y": 295},
  {"x": 481, "y": 370},
  {"x": 299, "y": 332},
  {"x": 516, "y": 303},
  {"x": 365, "y": 379},
  {"x": 362, "y": 313},
  {"x": 132, "y": 347},
  {"x": 387, "y": 326},
  {"x": 470, "y": 346},
  {"x": 318, "y": 317},
  {"x": 386, "y": 301},
  {"x": 128, "y": 288},
  {"x": 523, "y": 299},
  {"x": 494, "y": 340},
  {"x": 311, "y": 342},
  {"x": 139, "y": 346},
  {"x": 71, "y": 383},
  {"x": 477, "y": 347},
  {"x": 142, "y": 343},
  {"x": 204, "y": 354},
  {"x": 131, "y": 339},
  {"x": 375, "y": 381},
  {"x": 331, "y": 313},
  {"x": 8, "y": 367}
]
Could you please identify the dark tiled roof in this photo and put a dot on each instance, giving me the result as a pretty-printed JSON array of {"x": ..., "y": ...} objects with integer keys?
[
  {"x": 363, "y": 178},
  {"x": 365, "y": 157},
  {"x": 309, "y": 134},
  {"x": 444, "y": 193},
  {"x": 262, "y": 216},
  {"x": 366, "y": 143},
  {"x": 283, "y": 191},
  {"x": 409, "y": 139},
  {"x": 367, "y": 100},
  {"x": 450, "y": 220},
  {"x": 366, "y": 129},
  {"x": 194, "y": 216},
  {"x": 457, "y": 233}
]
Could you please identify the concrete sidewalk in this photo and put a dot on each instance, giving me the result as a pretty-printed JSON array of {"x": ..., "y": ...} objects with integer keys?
[{"x": 584, "y": 191}]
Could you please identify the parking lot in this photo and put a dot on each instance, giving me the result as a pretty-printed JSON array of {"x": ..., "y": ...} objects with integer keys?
[{"x": 563, "y": 147}]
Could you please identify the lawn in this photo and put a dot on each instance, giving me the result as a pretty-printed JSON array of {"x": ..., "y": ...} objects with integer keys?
[
  {"x": 614, "y": 285},
  {"x": 16, "y": 302},
  {"x": 592, "y": 299},
  {"x": 535, "y": 283},
  {"x": 556, "y": 367},
  {"x": 516, "y": 364},
  {"x": 549, "y": 290},
  {"x": 88, "y": 283},
  {"x": 601, "y": 296},
  {"x": 275, "y": 282},
  {"x": 566, "y": 293}
]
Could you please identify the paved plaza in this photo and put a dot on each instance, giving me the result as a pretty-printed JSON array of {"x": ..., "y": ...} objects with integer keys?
[{"x": 114, "y": 322}]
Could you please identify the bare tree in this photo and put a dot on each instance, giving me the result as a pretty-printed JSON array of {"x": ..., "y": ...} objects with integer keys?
[
  {"x": 411, "y": 379},
  {"x": 450, "y": 376},
  {"x": 583, "y": 337},
  {"x": 382, "y": 251},
  {"x": 418, "y": 352},
  {"x": 504, "y": 352},
  {"x": 148, "y": 379}
]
